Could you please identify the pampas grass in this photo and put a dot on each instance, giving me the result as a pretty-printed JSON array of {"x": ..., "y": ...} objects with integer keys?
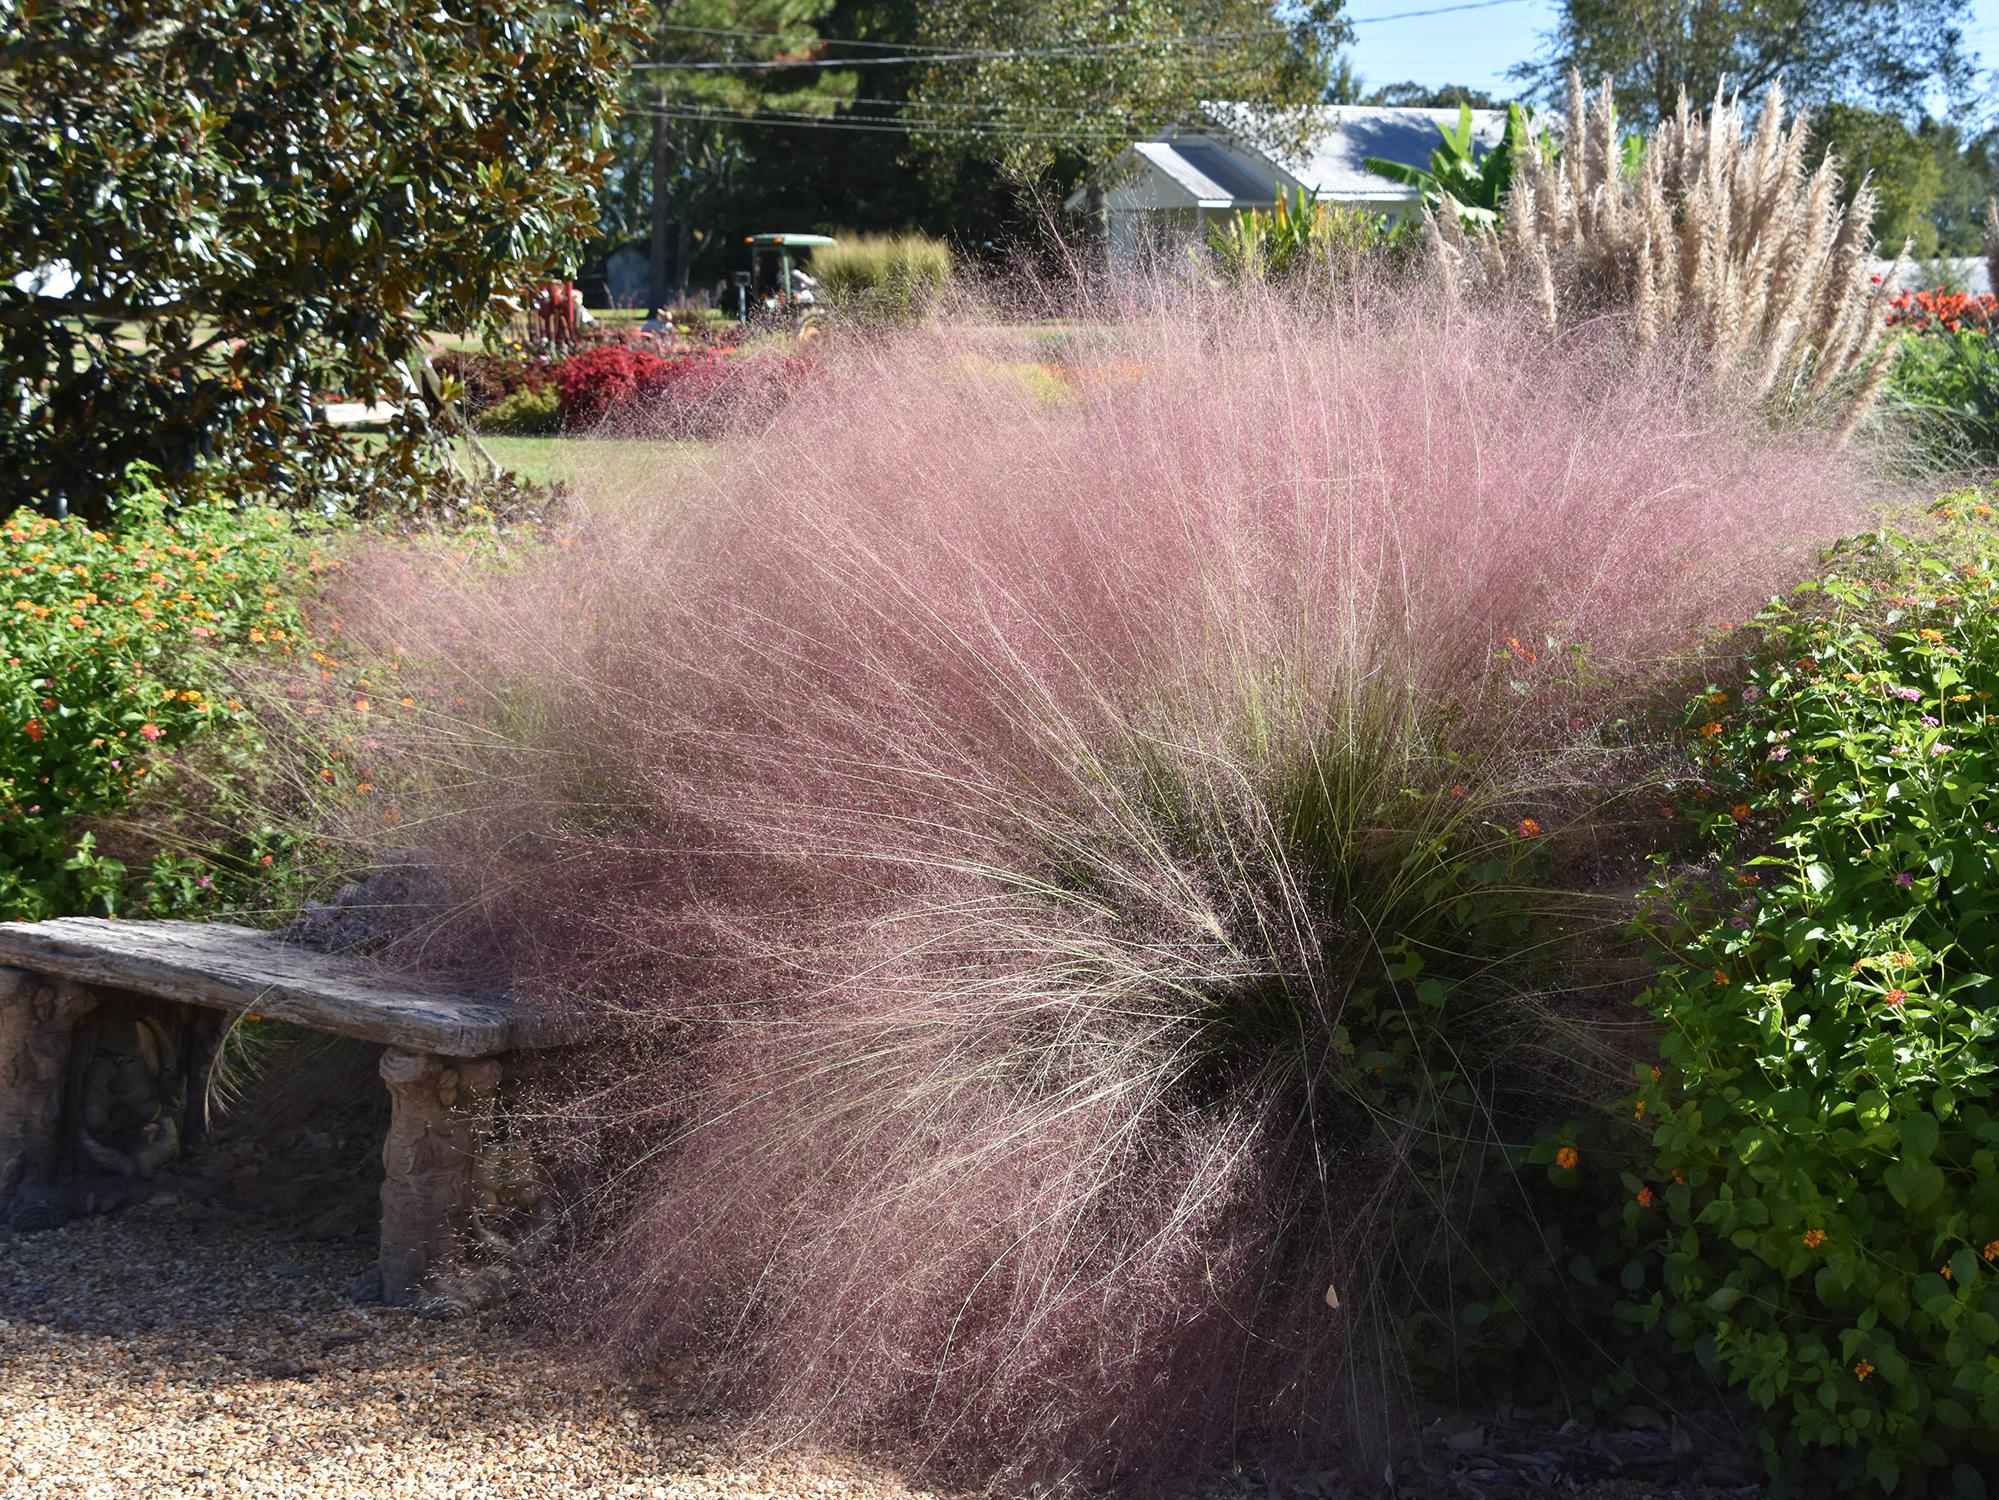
[
  {"x": 1069, "y": 864},
  {"x": 1719, "y": 237}
]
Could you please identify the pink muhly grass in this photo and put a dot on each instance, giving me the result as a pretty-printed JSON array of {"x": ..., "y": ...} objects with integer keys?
[{"x": 982, "y": 800}]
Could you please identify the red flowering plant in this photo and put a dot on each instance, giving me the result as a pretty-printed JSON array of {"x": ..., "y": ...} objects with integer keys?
[
  {"x": 1940, "y": 311},
  {"x": 1944, "y": 384}
]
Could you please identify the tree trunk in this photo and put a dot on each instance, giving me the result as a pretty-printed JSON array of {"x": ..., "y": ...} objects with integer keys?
[
  {"x": 1097, "y": 218},
  {"x": 656, "y": 278},
  {"x": 681, "y": 255}
]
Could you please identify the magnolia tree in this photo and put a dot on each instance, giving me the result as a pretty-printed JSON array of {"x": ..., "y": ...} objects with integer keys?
[{"x": 211, "y": 208}]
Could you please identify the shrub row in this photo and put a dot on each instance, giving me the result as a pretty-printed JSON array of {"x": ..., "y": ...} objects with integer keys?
[
  {"x": 630, "y": 383},
  {"x": 883, "y": 277}
]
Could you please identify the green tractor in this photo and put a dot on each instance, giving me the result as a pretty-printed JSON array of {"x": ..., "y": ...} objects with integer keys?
[{"x": 777, "y": 287}]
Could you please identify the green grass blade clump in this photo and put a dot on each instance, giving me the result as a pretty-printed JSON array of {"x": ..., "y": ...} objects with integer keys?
[{"x": 883, "y": 277}]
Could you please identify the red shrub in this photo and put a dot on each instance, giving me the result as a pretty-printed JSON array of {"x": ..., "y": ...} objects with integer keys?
[
  {"x": 591, "y": 386},
  {"x": 690, "y": 395}
]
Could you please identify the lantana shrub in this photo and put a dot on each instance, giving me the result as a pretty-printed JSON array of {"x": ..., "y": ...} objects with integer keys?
[
  {"x": 117, "y": 650},
  {"x": 1825, "y": 1195},
  {"x": 1075, "y": 868}
]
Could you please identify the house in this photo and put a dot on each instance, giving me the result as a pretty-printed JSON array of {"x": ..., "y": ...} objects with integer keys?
[{"x": 1162, "y": 192}]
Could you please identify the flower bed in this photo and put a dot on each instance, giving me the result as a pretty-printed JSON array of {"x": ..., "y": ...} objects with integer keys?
[
  {"x": 485, "y": 380},
  {"x": 1947, "y": 312},
  {"x": 693, "y": 395},
  {"x": 635, "y": 381}
]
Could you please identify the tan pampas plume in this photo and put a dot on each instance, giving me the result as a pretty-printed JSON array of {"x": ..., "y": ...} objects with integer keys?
[{"x": 1720, "y": 234}]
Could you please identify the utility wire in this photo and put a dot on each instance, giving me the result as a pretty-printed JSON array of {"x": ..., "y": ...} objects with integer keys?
[
  {"x": 811, "y": 41},
  {"x": 898, "y": 127},
  {"x": 1440, "y": 10},
  {"x": 936, "y": 104},
  {"x": 997, "y": 55},
  {"x": 930, "y": 47}
]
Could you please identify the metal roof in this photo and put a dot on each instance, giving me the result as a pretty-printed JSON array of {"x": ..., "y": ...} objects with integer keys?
[
  {"x": 1336, "y": 164},
  {"x": 1214, "y": 167}
]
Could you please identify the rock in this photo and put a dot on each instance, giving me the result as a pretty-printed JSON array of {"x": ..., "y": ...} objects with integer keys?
[
  {"x": 367, "y": 1287},
  {"x": 1643, "y": 1418},
  {"x": 35, "y": 1210},
  {"x": 368, "y": 914}
]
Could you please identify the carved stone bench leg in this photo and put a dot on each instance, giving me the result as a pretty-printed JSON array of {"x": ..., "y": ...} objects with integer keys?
[
  {"x": 38, "y": 1019},
  {"x": 441, "y": 1109}
]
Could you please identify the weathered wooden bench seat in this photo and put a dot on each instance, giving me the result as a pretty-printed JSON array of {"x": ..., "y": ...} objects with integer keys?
[{"x": 134, "y": 1013}]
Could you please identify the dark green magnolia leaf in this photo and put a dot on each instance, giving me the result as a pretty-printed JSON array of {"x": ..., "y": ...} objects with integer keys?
[{"x": 225, "y": 196}]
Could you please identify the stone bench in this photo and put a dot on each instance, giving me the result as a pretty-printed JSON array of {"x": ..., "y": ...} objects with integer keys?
[{"x": 111, "y": 1031}]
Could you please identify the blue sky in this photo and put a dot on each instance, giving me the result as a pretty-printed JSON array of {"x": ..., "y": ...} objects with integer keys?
[{"x": 1476, "y": 47}]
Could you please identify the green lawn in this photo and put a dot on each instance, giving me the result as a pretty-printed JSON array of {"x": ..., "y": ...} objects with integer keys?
[
  {"x": 606, "y": 464},
  {"x": 610, "y": 466}
]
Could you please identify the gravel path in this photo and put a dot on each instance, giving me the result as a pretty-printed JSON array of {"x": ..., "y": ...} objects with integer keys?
[
  {"x": 168, "y": 1352},
  {"x": 152, "y": 1354}
]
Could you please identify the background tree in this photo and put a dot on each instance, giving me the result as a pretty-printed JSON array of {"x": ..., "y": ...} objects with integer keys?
[
  {"x": 1055, "y": 90},
  {"x": 211, "y": 208},
  {"x": 1073, "y": 82},
  {"x": 1932, "y": 183},
  {"x": 974, "y": 149},
  {"x": 705, "y": 83},
  {"x": 1422, "y": 96},
  {"x": 1890, "y": 54}
]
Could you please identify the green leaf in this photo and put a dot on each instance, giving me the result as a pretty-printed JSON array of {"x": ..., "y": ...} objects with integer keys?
[{"x": 1920, "y": 1134}]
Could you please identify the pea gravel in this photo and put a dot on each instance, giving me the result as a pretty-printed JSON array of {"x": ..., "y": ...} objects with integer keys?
[
  {"x": 173, "y": 1351},
  {"x": 150, "y": 1353}
]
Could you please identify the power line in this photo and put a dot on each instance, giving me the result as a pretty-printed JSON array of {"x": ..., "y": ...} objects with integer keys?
[
  {"x": 1441, "y": 10},
  {"x": 934, "y": 104},
  {"x": 999, "y": 55},
  {"x": 815, "y": 41},
  {"x": 795, "y": 121}
]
